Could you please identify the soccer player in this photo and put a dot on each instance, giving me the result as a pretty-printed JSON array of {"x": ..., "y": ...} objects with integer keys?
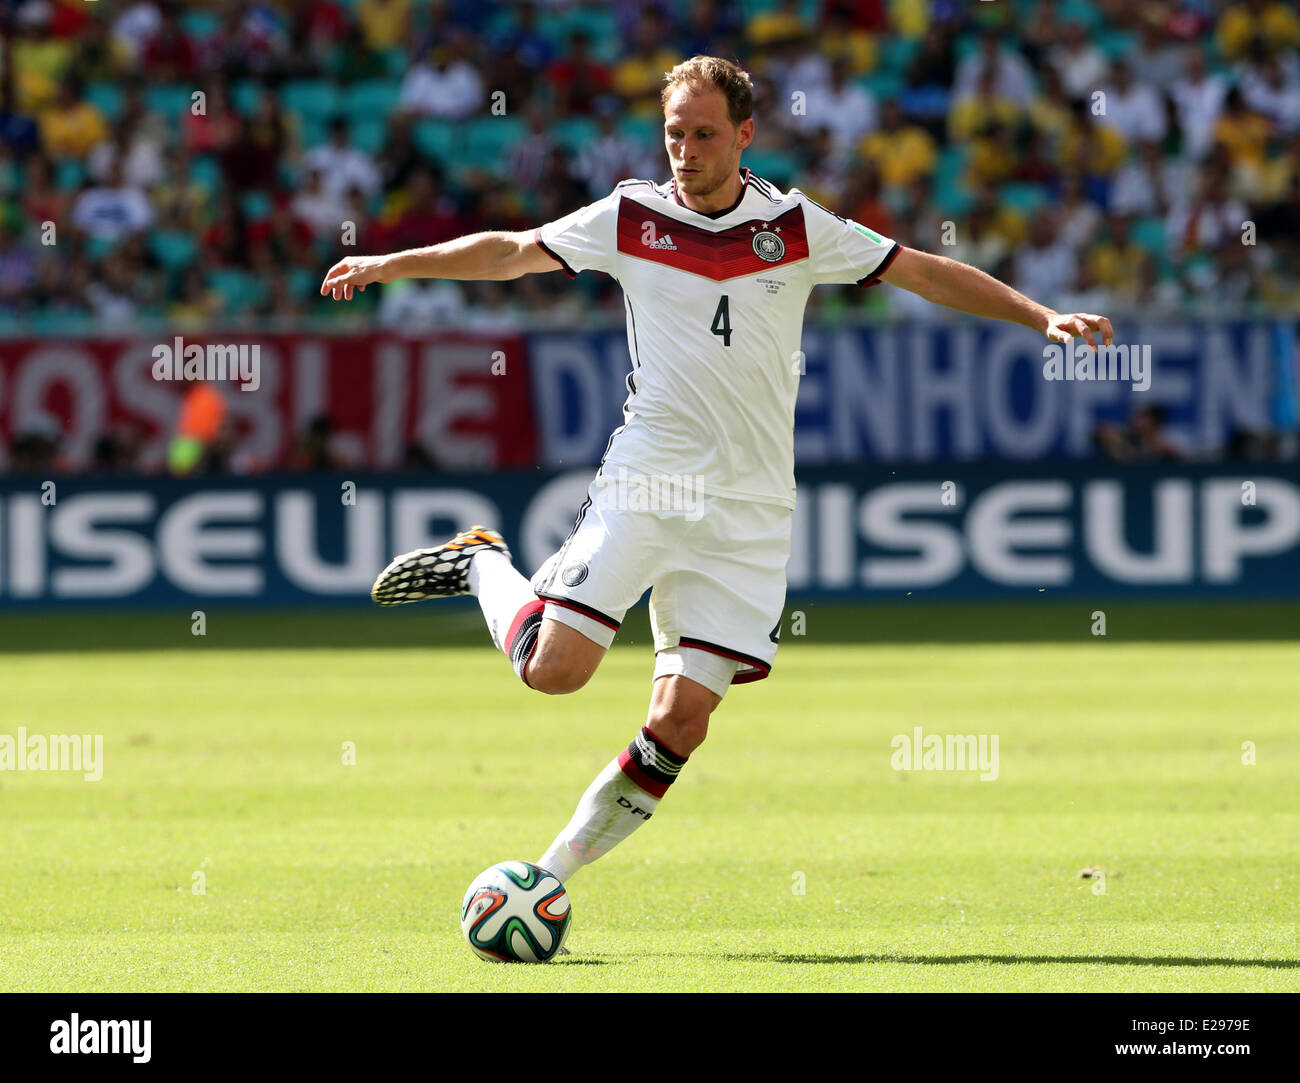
[{"x": 695, "y": 492}]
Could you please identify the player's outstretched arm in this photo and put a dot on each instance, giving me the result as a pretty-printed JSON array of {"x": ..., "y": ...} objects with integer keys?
[
  {"x": 492, "y": 256},
  {"x": 968, "y": 289}
]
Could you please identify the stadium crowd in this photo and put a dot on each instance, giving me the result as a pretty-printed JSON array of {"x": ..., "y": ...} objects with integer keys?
[
  {"x": 202, "y": 163},
  {"x": 198, "y": 166}
]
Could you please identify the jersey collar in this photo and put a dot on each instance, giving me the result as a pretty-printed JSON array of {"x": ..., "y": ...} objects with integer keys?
[{"x": 726, "y": 210}]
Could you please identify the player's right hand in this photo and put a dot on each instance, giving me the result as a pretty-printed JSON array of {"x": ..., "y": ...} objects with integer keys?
[{"x": 355, "y": 272}]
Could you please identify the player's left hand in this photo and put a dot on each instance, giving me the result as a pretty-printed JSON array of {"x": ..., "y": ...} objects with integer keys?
[{"x": 1064, "y": 326}]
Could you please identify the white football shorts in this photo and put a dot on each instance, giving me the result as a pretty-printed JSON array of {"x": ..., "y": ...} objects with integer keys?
[{"x": 716, "y": 567}]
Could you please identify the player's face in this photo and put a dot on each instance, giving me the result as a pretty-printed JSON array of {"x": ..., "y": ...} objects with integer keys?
[{"x": 703, "y": 144}]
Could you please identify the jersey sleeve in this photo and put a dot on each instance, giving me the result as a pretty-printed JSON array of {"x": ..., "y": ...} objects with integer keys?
[
  {"x": 586, "y": 240},
  {"x": 841, "y": 250}
]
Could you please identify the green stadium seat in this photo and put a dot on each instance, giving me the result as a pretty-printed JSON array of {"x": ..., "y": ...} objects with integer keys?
[
  {"x": 244, "y": 95},
  {"x": 201, "y": 24},
  {"x": 256, "y": 205},
  {"x": 1149, "y": 233},
  {"x": 1080, "y": 11},
  {"x": 647, "y": 130},
  {"x": 99, "y": 247},
  {"x": 312, "y": 99},
  {"x": 774, "y": 165},
  {"x": 1022, "y": 198},
  {"x": 896, "y": 53},
  {"x": 374, "y": 98},
  {"x": 107, "y": 98},
  {"x": 883, "y": 84},
  {"x": 69, "y": 174},
  {"x": 436, "y": 138},
  {"x": 302, "y": 283},
  {"x": 206, "y": 170},
  {"x": 576, "y": 132},
  {"x": 489, "y": 139},
  {"x": 173, "y": 249},
  {"x": 234, "y": 285},
  {"x": 368, "y": 133},
  {"x": 1115, "y": 44},
  {"x": 171, "y": 101}
]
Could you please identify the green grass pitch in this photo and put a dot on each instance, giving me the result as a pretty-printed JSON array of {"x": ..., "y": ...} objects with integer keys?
[{"x": 224, "y": 757}]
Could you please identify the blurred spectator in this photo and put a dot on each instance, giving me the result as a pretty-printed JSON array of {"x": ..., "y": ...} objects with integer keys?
[
  {"x": 131, "y": 147},
  {"x": 1148, "y": 182},
  {"x": 577, "y": 80},
  {"x": 1198, "y": 97},
  {"x": 900, "y": 151},
  {"x": 72, "y": 125},
  {"x": 341, "y": 165},
  {"x": 135, "y": 28},
  {"x": 611, "y": 156},
  {"x": 527, "y": 158},
  {"x": 1273, "y": 22},
  {"x": 112, "y": 210},
  {"x": 42, "y": 61},
  {"x": 1116, "y": 260},
  {"x": 524, "y": 40},
  {"x": 17, "y": 265},
  {"x": 1079, "y": 64},
  {"x": 444, "y": 84},
  {"x": 385, "y": 24},
  {"x": 1242, "y": 131},
  {"x": 118, "y": 451},
  {"x": 778, "y": 24},
  {"x": 112, "y": 294},
  {"x": 198, "y": 303},
  {"x": 997, "y": 68},
  {"x": 1045, "y": 266},
  {"x": 1273, "y": 89},
  {"x": 1207, "y": 217},
  {"x": 195, "y": 445},
  {"x": 1132, "y": 108},
  {"x": 313, "y": 450},
  {"x": 320, "y": 207},
  {"x": 846, "y": 108},
  {"x": 428, "y": 216},
  {"x": 1160, "y": 60},
  {"x": 169, "y": 57},
  {"x": 414, "y": 305},
  {"x": 214, "y": 129},
  {"x": 34, "y": 449},
  {"x": 1143, "y": 439},
  {"x": 638, "y": 77},
  {"x": 42, "y": 200}
]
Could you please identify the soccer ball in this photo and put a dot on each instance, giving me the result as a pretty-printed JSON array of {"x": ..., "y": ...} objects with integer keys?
[{"x": 515, "y": 912}]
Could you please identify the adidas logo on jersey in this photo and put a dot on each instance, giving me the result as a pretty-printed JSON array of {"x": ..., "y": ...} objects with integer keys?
[{"x": 666, "y": 242}]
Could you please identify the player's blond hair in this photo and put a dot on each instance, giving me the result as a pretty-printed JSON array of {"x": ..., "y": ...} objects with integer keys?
[{"x": 704, "y": 73}]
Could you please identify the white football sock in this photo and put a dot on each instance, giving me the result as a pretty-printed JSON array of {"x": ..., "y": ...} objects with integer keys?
[
  {"x": 611, "y": 809},
  {"x": 614, "y": 806},
  {"x": 501, "y": 591}
]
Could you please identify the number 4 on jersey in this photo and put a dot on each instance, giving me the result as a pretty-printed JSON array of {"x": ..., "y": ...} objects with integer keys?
[{"x": 722, "y": 320}]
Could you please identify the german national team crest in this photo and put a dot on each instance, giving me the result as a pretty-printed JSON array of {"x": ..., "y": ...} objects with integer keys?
[
  {"x": 768, "y": 246},
  {"x": 574, "y": 574}
]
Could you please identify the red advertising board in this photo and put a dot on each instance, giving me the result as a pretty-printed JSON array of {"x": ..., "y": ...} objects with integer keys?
[{"x": 464, "y": 399}]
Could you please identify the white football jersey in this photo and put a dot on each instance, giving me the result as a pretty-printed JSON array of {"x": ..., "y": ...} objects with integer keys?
[{"x": 715, "y": 306}]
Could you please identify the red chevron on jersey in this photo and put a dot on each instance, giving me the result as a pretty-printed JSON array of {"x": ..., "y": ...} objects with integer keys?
[{"x": 740, "y": 250}]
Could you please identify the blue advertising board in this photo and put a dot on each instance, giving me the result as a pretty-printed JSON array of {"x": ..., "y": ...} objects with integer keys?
[
  {"x": 969, "y": 390},
  {"x": 950, "y": 531}
]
